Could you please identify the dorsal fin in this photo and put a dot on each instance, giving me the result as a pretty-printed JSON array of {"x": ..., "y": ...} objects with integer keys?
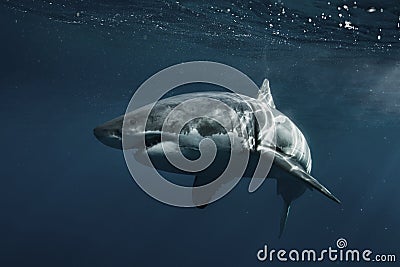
[{"x": 264, "y": 94}]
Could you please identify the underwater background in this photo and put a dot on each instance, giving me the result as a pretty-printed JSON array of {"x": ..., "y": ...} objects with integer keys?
[{"x": 68, "y": 66}]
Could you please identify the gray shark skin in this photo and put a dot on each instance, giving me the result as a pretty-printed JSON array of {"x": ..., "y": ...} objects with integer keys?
[{"x": 291, "y": 154}]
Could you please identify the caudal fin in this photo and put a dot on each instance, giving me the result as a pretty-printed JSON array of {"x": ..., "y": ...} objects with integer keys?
[{"x": 285, "y": 213}]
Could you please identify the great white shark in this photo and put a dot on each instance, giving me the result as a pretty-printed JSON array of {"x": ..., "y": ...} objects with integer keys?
[{"x": 291, "y": 165}]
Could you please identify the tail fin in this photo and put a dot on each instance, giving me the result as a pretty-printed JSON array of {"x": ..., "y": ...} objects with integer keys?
[
  {"x": 289, "y": 190},
  {"x": 285, "y": 213}
]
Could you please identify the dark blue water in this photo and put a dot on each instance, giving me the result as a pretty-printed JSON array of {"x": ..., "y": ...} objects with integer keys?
[{"x": 67, "y": 66}]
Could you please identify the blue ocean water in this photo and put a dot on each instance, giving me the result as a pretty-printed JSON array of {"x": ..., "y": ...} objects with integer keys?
[{"x": 67, "y": 66}]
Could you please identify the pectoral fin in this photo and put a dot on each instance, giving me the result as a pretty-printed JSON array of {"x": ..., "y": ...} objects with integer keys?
[
  {"x": 202, "y": 195},
  {"x": 201, "y": 198},
  {"x": 289, "y": 165}
]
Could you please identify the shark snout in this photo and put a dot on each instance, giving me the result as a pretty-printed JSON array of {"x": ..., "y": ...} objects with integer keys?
[{"x": 110, "y": 136}]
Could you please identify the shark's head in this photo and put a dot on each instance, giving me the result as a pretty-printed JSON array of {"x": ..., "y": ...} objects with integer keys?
[
  {"x": 110, "y": 133},
  {"x": 130, "y": 125}
]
